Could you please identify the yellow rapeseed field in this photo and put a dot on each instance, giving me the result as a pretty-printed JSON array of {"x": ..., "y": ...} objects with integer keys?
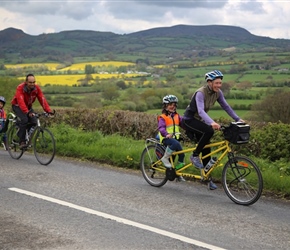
[
  {"x": 81, "y": 66},
  {"x": 71, "y": 79},
  {"x": 50, "y": 66}
]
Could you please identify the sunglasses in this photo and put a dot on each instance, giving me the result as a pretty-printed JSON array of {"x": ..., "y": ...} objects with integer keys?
[{"x": 31, "y": 82}]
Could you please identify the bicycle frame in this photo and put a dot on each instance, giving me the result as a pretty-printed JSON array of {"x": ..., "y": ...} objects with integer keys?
[
  {"x": 38, "y": 125},
  {"x": 223, "y": 147}
]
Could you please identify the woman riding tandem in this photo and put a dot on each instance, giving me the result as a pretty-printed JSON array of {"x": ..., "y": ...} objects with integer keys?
[
  {"x": 196, "y": 120},
  {"x": 168, "y": 125}
]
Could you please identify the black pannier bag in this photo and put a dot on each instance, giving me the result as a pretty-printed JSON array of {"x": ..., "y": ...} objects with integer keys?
[{"x": 237, "y": 133}]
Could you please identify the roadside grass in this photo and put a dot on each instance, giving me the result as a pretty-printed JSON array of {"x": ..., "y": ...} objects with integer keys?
[{"x": 126, "y": 153}]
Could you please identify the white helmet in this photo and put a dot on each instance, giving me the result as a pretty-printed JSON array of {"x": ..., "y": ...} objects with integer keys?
[
  {"x": 170, "y": 99},
  {"x": 213, "y": 75}
]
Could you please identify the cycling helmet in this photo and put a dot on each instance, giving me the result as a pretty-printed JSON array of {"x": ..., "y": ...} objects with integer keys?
[
  {"x": 169, "y": 99},
  {"x": 2, "y": 99},
  {"x": 212, "y": 75}
]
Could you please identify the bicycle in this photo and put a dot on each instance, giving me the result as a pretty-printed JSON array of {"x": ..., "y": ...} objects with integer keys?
[
  {"x": 38, "y": 137},
  {"x": 241, "y": 178}
]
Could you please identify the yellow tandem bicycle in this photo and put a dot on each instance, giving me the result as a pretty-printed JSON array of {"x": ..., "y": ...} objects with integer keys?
[{"x": 241, "y": 178}]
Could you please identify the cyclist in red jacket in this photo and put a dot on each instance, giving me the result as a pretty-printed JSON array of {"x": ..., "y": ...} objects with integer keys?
[{"x": 26, "y": 94}]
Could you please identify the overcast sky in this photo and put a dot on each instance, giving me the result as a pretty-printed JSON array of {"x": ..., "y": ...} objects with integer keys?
[{"x": 263, "y": 18}]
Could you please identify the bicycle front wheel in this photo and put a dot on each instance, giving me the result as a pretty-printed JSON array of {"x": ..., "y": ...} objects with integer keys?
[
  {"x": 13, "y": 142},
  {"x": 44, "y": 146},
  {"x": 242, "y": 180},
  {"x": 153, "y": 172}
]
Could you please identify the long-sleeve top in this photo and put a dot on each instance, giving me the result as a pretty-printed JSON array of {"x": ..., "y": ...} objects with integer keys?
[{"x": 25, "y": 98}]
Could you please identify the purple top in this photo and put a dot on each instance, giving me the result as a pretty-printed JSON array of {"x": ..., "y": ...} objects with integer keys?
[{"x": 221, "y": 100}]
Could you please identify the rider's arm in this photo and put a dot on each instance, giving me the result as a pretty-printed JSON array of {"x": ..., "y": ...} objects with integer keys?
[
  {"x": 162, "y": 127},
  {"x": 42, "y": 100},
  {"x": 223, "y": 103},
  {"x": 20, "y": 99},
  {"x": 199, "y": 98}
]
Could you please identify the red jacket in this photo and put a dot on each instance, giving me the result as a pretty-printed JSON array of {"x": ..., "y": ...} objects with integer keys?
[{"x": 24, "y": 99}]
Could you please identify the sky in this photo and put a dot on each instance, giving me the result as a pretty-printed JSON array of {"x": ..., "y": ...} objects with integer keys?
[{"x": 270, "y": 18}]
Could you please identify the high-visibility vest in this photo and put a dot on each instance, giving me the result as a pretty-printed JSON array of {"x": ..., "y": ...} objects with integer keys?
[{"x": 172, "y": 125}]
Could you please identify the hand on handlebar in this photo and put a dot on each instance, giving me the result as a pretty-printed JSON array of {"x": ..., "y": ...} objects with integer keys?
[
  {"x": 51, "y": 113},
  {"x": 241, "y": 120},
  {"x": 31, "y": 114},
  {"x": 215, "y": 126}
]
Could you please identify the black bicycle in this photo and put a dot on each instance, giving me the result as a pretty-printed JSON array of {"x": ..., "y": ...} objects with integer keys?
[{"x": 38, "y": 137}]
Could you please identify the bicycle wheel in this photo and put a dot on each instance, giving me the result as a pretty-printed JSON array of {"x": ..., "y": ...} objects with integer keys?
[
  {"x": 242, "y": 180},
  {"x": 154, "y": 173},
  {"x": 13, "y": 142},
  {"x": 44, "y": 146}
]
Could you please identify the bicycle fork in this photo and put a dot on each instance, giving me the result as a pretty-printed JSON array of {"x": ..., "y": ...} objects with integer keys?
[{"x": 240, "y": 171}]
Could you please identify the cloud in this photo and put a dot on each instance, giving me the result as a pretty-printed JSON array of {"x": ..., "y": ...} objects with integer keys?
[
  {"x": 266, "y": 18},
  {"x": 252, "y": 6}
]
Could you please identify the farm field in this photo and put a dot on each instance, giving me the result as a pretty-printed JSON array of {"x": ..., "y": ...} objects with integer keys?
[
  {"x": 74, "y": 80},
  {"x": 49, "y": 66},
  {"x": 61, "y": 77},
  {"x": 73, "y": 67}
]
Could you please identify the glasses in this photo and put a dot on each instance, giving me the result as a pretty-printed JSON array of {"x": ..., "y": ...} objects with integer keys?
[{"x": 31, "y": 82}]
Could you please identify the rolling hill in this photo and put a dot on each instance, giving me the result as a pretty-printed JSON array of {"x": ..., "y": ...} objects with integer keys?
[{"x": 158, "y": 43}]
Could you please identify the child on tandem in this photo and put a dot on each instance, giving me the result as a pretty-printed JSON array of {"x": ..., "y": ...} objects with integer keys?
[{"x": 168, "y": 125}]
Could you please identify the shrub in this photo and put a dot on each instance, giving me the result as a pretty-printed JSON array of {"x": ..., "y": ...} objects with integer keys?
[{"x": 272, "y": 142}]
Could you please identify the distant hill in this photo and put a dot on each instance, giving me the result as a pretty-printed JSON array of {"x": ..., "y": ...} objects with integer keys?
[{"x": 158, "y": 43}]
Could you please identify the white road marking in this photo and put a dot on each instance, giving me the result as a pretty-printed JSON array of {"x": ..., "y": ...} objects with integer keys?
[{"x": 118, "y": 219}]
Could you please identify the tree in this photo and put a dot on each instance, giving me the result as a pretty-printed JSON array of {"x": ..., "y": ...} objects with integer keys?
[
  {"x": 273, "y": 108},
  {"x": 110, "y": 93},
  {"x": 89, "y": 69},
  {"x": 121, "y": 84}
]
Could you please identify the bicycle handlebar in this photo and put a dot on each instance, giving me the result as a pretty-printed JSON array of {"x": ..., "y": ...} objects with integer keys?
[
  {"x": 223, "y": 127},
  {"x": 46, "y": 114}
]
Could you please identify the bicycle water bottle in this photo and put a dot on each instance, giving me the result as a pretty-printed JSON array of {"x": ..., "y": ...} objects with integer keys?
[
  {"x": 210, "y": 164},
  {"x": 31, "y": 131}
]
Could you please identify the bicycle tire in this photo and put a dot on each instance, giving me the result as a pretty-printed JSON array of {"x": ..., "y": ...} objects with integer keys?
[
  {"x": 155, "y": 175},
  {"x": 13, "y": 143},
  {"x": 44, "y": 146},
  {"x": 242, "y": 181}
]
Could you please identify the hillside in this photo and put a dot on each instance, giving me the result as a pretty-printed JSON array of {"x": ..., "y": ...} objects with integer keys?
[{"x": 158, "y": 43}]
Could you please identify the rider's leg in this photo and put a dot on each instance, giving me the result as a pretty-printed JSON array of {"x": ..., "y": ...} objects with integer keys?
[
  {"x": 165, "y": 159},
  {"x": 203, "y": 133},
  {"x": 22, "y": 123},
  {"x": 172, "y": 145}
]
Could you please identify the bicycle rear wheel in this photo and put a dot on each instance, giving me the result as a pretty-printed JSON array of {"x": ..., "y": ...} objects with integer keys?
[
  {"x": 44, "y": 146},
  {"x": 154, "y": 173},
  {"x": 242, "y": 180},
  {"x": 13, "y": 142}
]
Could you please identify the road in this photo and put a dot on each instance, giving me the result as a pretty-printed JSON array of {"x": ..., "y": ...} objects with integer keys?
[{"x": 72, "y": 204}]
